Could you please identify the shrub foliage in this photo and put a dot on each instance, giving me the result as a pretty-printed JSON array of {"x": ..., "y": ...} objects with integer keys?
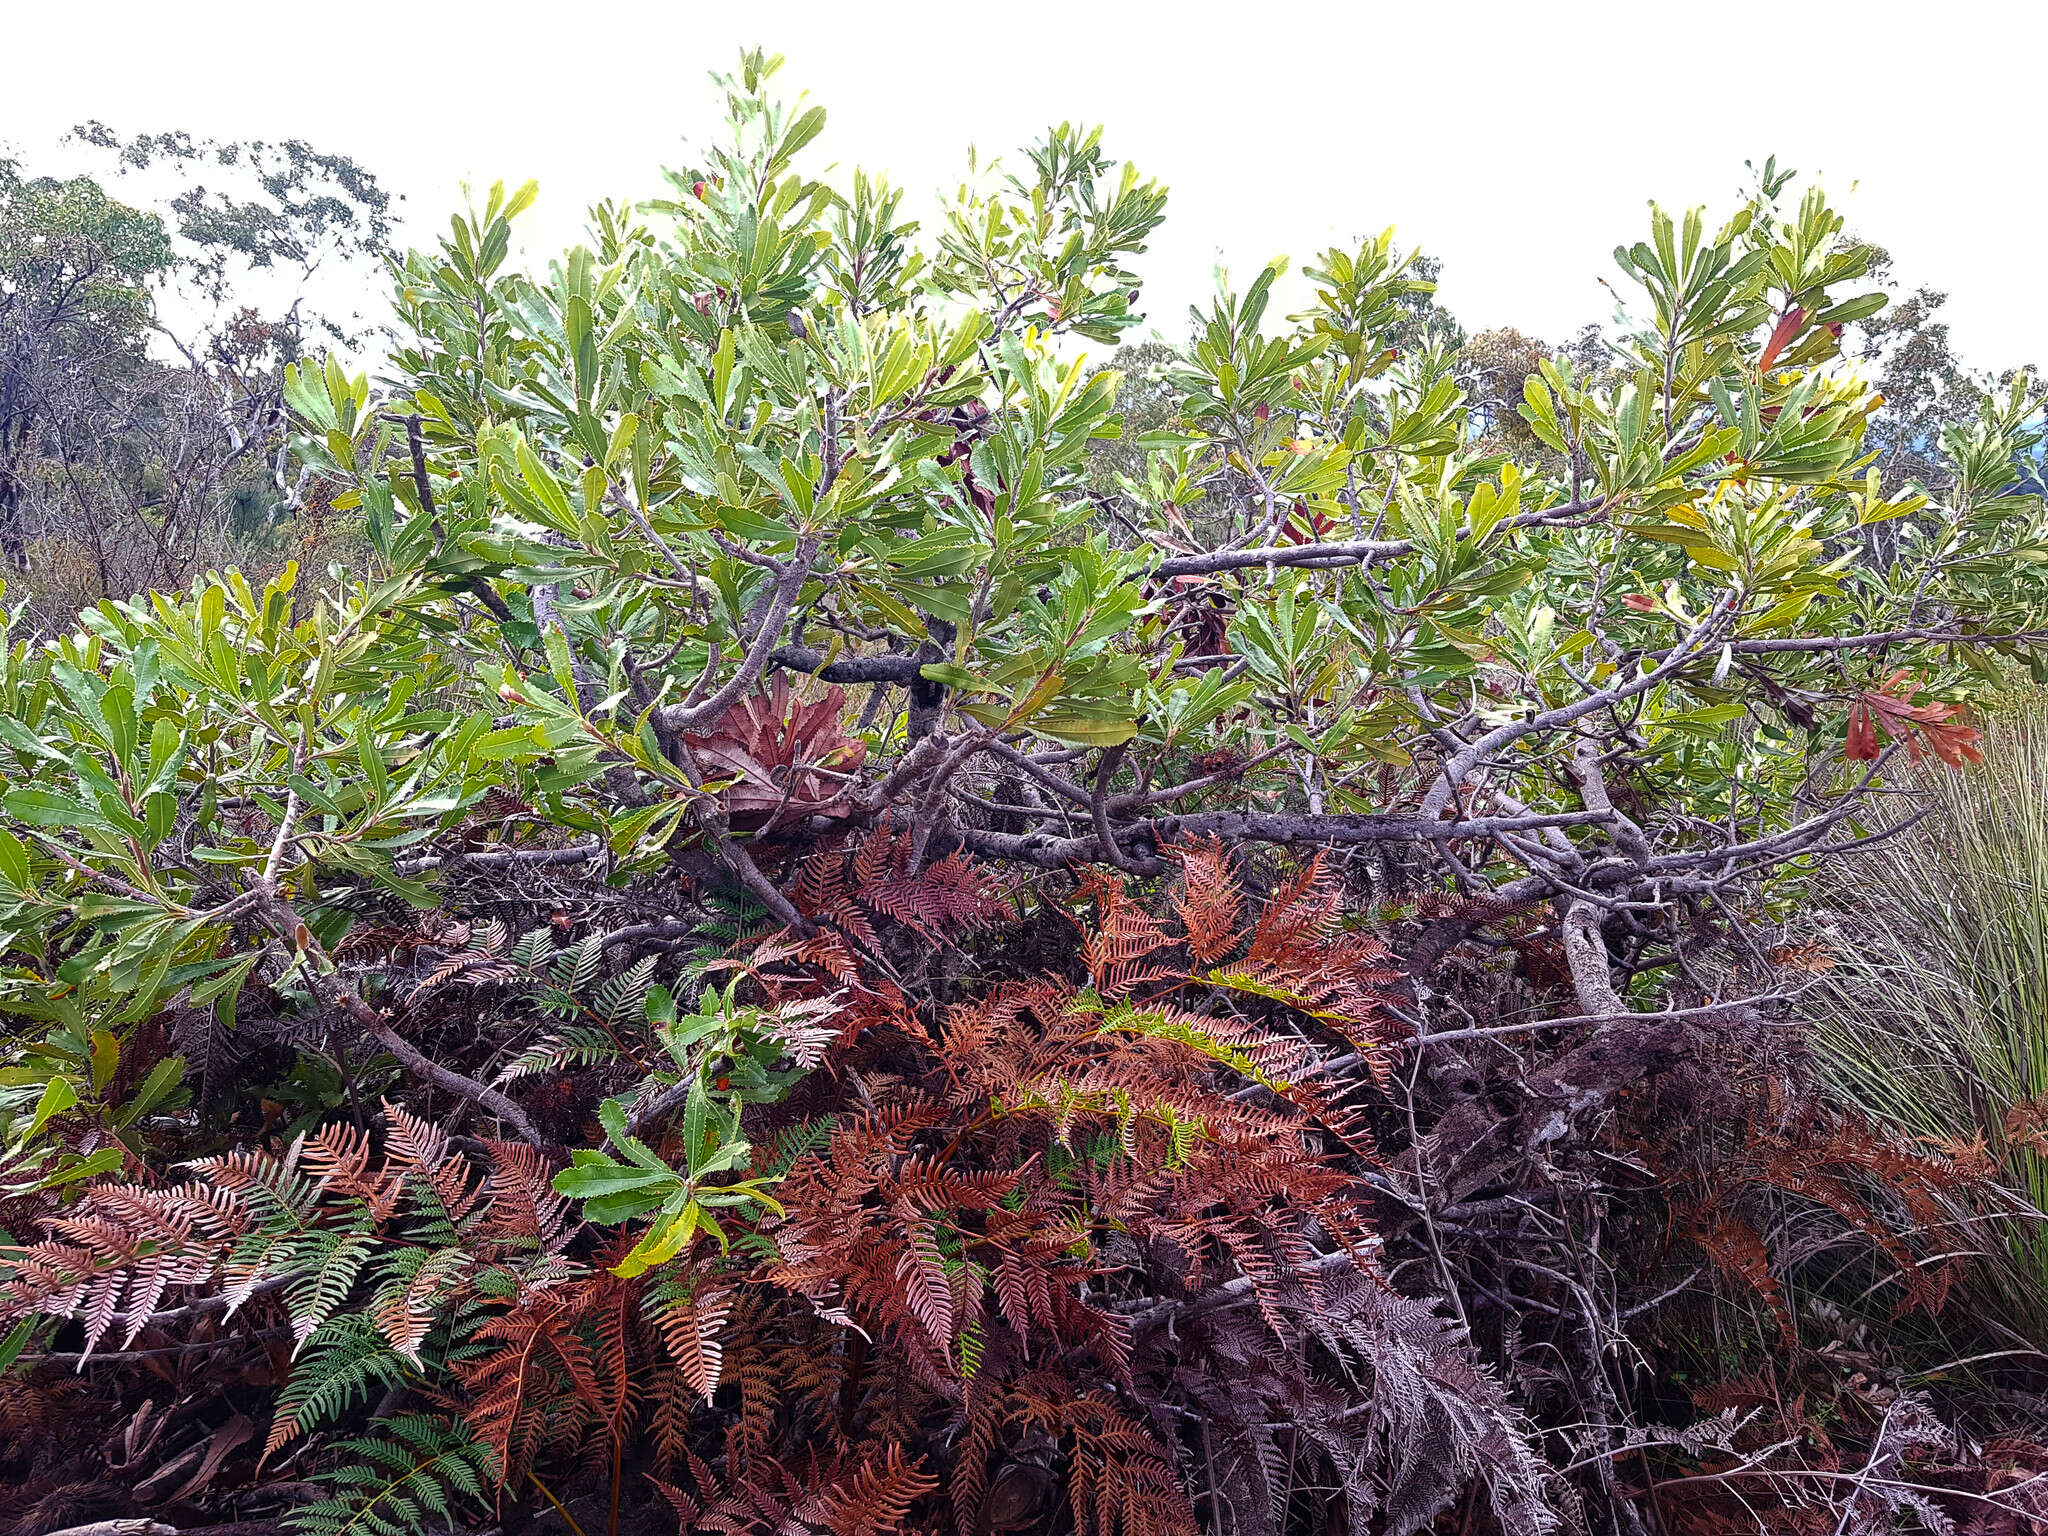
[{"x": 805, "y": 951}]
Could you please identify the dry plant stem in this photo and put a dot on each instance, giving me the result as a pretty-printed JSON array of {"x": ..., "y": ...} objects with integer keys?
[
  {"x": 1230, "y": 1293},
  {"x": 848, "y": 670},
  {"x": 931, "y": 805},
  {"x": 632, "y": 509},
  {"x": 549, "y": 1496},
  {"x": 582, "y": 853},
  {"x": 1051, "y": 781},
  {"x": 653, "y": 1111},
  {"x": 1422, "y": 1203},
  {"x": 737, "y": 859},
  {"x": 423, "y": 486},
  {"x": 1345, "y": 552},
  {"x": 120, "y": 1356},
  {"x": 750, "y": 876},
  {"x": 207, "y": 1306},
  {"x": 1628, "y": 837},
  {"x": 1862, "y": 1479},
  {"x": 1494, "y": 1031},
  {"x": 1460, "y": 766},
  {"x": 1333, "y": 829},
  {"x": 284, "y": 836},
  {"x": 1797, "y": 645}
]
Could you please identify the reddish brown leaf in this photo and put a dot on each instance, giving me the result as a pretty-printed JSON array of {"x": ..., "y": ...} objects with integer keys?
[
  {"x": 783, "y": 760},
  {"x": 1781, "y": 336}
]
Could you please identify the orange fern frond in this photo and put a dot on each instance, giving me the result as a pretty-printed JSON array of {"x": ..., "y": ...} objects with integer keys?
[
  {"x": 689, "y": 1325},
  {"x": 119, "y": 1253},
  {"x": 1738, "y": 1252},
  {"x": 417, "y": 1148},
  {"x": 1211, "y": 900},
  {"x": 564, "y": 1366},
  {"x": 871, "y": 1497},
  {"x": 1122, "y": 936},
  {"x": 338, "y": 1157}
]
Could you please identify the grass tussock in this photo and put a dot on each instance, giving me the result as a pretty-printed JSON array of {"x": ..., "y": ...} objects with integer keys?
[{"x": 1935, "y": 1018}]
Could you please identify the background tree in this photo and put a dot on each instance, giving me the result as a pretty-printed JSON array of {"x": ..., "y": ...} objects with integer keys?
[
  {"x": 1927, "y": 389},
  {"x": 1497, "y": 367},
  {"x": 144, "y": 366},
  {"x": 75, "y": 274}
]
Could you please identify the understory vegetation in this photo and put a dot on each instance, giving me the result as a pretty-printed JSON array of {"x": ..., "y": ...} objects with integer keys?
[{"x": 845, "y": 914}]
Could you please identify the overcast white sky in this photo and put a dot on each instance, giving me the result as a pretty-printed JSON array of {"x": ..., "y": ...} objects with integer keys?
[{"x": 1517, "y": 142}]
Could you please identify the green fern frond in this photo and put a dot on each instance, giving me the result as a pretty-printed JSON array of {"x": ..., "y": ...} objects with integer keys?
[
  {"x": 738, "y": 913},
  {"x": 1126, "y": 1019},
  {"x": 326, "y": 1263},
  {"x": 281, "y": 1198},
  {"x": 430, "y": 1223},
  {"x": 421, "y": 1466},
  {"x": 571, "y": 1046},
  {"x": 795, "y": 1141},
  {"x": 488, "y": 939},
  {"x": 534, "y": 949},
  {"x": 346, "y": 1362},
  {"x": 622, "y": 1001},
  {"x": 972, "y": 1341},
  {"x": 452, "y": 1340},
  {"x": 576, "y": 969},
  {"x": 557, "y": 1002},
  {"x": 755, "y": 1248},
  {"x": 736, "y": 917}
]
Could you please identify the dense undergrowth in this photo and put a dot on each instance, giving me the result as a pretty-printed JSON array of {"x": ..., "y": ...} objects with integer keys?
[{"x": 1069, "y": 1206}]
